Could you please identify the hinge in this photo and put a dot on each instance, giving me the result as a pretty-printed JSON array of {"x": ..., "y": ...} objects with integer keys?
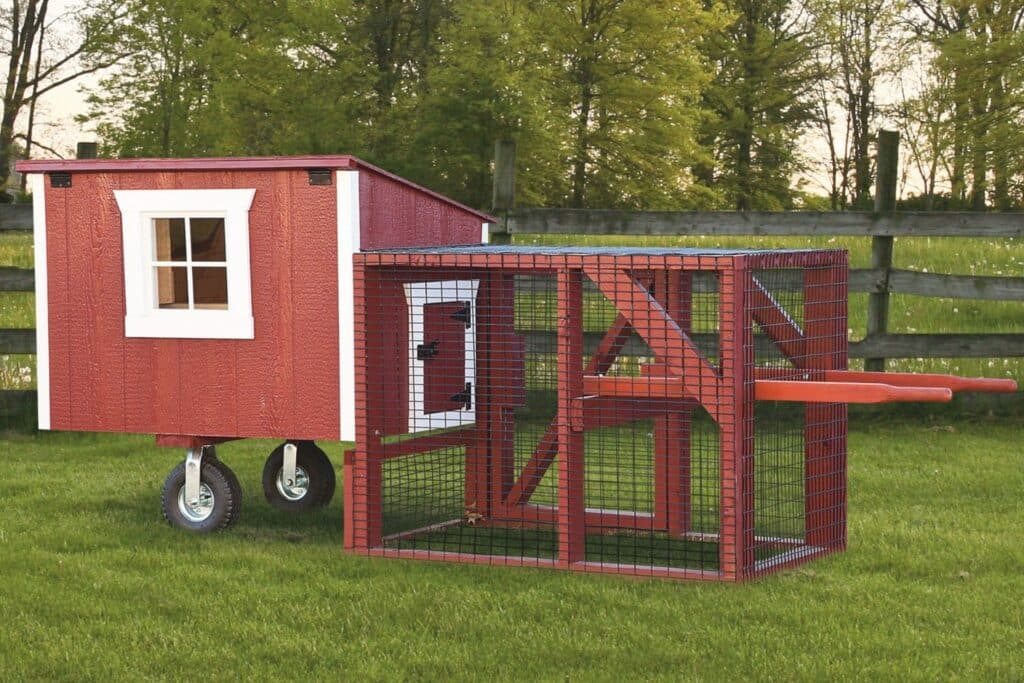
[
  {"x": 60, "y": 179},
  {"x": 427, "y": 351},
  {"x": 464, "y": 315},
  {"x": 465, "y": 397},
  {"x": 319, "y": 176}
]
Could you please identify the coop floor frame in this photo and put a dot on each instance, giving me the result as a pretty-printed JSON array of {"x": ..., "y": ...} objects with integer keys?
[{"x": 653, "y": 292}]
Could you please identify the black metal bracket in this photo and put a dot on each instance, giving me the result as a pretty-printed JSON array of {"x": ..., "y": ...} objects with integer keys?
[
  {"x": 427, "y": 351},
  {"x": 465, "y": 397},
  {"x": 464, "y": 314},
  {"x": 319, "y": 176},
  {"x": 60, "y": 179}
]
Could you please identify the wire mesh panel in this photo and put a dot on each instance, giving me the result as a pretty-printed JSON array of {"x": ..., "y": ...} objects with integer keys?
[{"x": 594, "y": 409}]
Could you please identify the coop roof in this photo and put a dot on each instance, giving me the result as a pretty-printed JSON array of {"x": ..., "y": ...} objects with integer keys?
[
  {"x": 334, "y": 161},
  {"x": 593, "y": 251}
]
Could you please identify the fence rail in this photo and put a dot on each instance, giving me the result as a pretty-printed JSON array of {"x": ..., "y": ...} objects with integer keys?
[
  {"x": 881, "y": 226},
  {"x": 878, "y": 282},
  {"x": 764, "y": 223}
]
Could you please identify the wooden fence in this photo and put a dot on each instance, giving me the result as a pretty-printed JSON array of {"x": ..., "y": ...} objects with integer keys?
[{"x": 879, "y": 281}]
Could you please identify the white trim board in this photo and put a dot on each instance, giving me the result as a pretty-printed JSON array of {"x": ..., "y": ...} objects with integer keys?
[
  {"x": 142, "y": 316},
  {"x": 348, "y": 246},
  {"x": 38, "y": 184},
  {"x": 417, "y": 295}
]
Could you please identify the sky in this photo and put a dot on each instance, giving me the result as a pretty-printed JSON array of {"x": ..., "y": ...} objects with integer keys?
[{"x": 57, "y": 109}]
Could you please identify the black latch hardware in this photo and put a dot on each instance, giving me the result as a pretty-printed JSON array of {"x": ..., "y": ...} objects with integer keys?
[
  {"x": 427, "y": 351},
  {"x": 319, "y": 176},
  {"x": 60, "y": 179},
  {"x": 464, "y": 315},
  {"x": 464, "y": 397}
]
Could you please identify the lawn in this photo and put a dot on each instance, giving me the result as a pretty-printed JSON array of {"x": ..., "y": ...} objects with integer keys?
[{"x": 97, "y": 587}]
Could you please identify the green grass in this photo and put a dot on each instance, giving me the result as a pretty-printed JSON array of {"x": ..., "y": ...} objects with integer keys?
[{"x": 97, "y": 587}]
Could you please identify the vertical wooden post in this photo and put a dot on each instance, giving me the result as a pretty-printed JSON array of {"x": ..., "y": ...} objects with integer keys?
[
  {"x": 86, "y": 150},
  {"x": 571, "y": 484},
  {"x": 881, "y": 246},
  {"x": 673, "y": 289},
  {"x": 736, "y": 425},
  {"x": 503, "y": 199},
  {"x": 363, "y": 471},
  {"x": 825, "y": 301}
]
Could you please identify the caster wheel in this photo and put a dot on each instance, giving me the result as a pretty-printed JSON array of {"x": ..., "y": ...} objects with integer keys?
[
  {"x": 314, "y": 482},
  {"x": 220, "y": 498}
]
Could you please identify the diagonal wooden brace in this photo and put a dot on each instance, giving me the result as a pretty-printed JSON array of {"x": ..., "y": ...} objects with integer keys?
[
  {"x": 775, "y": 322},
  {"x": 668, "y": 341},
  {"x": 534, "y": 470}
]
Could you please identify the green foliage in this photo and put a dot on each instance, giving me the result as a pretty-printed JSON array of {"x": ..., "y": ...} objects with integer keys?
[
  {"x": 758, "y": 104},
  {"x": 602, "y": 96}
]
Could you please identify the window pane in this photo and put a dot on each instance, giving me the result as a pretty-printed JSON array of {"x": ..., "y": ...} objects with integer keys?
[
  {"x": 207, "y": 239},
  {"x": 170, "y": 239},
  {"x": 171, "y": 287},
  {"x": 211, "y": 287}
]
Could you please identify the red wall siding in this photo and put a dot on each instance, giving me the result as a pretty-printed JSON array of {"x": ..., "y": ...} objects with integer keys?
[
  {"x": 283, "y": 383},
  {"x": 392, "y": 214}
]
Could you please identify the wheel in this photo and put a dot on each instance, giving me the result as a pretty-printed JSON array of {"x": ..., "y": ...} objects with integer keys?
[
  {"x": 314, "y": 482},
  {"x": 220, "y": 498}
]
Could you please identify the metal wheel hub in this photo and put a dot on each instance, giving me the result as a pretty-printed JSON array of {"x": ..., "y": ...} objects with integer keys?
[
  {"x": 293, "y": 490},
  {"x": 202, "y": 509}
]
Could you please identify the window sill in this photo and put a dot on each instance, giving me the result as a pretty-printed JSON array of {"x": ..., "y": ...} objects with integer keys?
[{"x": 170, "y": 324}]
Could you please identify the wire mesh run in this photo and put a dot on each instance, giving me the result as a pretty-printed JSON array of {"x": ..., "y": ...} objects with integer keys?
[{"x": 595, "y": 409}]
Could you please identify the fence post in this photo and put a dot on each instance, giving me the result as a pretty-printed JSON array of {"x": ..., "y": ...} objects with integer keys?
[
  {"x": 86, "y": 150},
  {"x": 504, "y": 196},
  {"x": 887, "y": 173}
]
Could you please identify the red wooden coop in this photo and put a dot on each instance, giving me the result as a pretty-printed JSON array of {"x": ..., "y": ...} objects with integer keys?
[{"x": 657, "y": 412}]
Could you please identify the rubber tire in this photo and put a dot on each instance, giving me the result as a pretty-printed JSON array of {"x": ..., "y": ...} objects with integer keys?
[
  {"x": 227, "y": 497},
  {"x": 319, "y": 469}
]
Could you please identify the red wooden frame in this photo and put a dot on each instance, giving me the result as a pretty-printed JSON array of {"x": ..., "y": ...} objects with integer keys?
[{"x": 653, "y": 297}]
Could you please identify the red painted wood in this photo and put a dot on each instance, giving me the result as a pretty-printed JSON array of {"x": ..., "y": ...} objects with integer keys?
[
  {"x": 425, "y": 444},
  {"x": 847, "y": 392},
  {"x": 394, "y": 213},
  {"x": 571, "y": 476},
  {"x": 314, "y": 320},
  {"x": 229, "y": 388},
  {"x": 661, "y": 334},
  {"x": 775, "y": 322},
  {"x": 736, "y": 428},
  {"x": 178, "y": 165},
  {"x": 444, "y": 374},
  {"x": 825, "y": 430},
  {"x": 544, "y": 454}
]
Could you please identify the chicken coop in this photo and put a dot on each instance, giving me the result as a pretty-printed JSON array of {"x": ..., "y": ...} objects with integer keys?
[
  {"x": 654, "y": 412},
  {"x": 674, "y": 413}
]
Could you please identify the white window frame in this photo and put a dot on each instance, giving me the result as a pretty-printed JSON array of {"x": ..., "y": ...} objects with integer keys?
[
  {"x": 143, "y": 318},
  {"x": 418, "y": 295}
]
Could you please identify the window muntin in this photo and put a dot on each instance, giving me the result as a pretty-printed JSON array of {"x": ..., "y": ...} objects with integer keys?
[{"x": 190, "y": 263}]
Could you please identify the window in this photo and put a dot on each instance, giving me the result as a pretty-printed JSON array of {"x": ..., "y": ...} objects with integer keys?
[{"x": 186, "y": 260}]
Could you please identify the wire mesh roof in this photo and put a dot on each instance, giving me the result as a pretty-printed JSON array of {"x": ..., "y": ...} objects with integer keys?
[{"x": 591, "y": 251}]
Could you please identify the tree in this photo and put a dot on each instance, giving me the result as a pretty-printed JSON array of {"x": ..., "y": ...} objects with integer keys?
[
  {"x": 33, "y": 71},
  {"x": 858, "y": 46},
  {"x": 623, "y": 88},
  {"x": 981, "y": 45},
  {"x": 759, "y": 102}
]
